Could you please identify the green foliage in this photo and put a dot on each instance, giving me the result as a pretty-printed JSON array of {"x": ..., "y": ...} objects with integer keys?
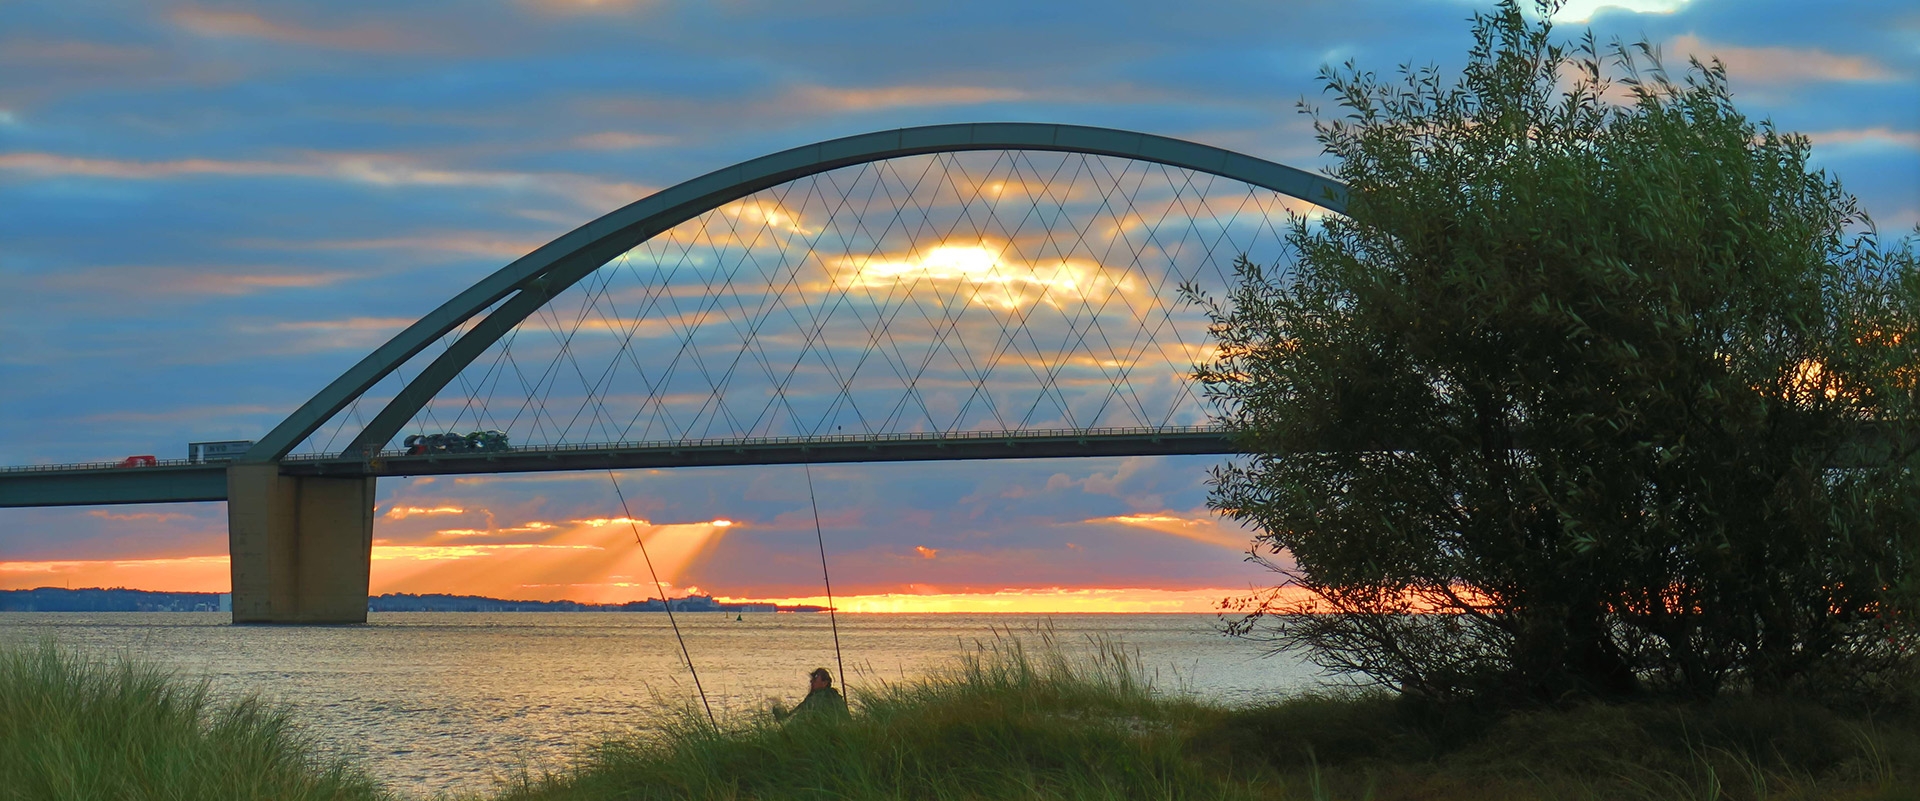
[
  {"x": 1598, "y": 370},
  {"x": 76, "y": 729}
]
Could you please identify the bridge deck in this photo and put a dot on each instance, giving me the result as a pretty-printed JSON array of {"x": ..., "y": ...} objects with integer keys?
[{"x": 180, "y": 481}]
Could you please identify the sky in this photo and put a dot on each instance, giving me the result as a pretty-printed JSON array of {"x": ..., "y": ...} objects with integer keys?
[{"x": 208, "y": 211}]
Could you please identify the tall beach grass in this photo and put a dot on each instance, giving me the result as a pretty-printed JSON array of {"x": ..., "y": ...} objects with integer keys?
[
  {"x": 1025, "y": 718},
  {"x": 1021, "y": 717},
  {"x": 73, "y": 727}
]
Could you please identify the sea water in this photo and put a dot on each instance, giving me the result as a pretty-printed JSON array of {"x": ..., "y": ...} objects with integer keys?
[{"x": 440, "y": 702}]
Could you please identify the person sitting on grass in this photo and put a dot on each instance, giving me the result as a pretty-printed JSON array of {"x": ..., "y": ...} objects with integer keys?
[{"x": 822, "y": 699}]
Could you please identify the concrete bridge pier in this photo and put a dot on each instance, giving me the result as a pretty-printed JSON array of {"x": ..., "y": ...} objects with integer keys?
[{"x": 301, "y": 545}]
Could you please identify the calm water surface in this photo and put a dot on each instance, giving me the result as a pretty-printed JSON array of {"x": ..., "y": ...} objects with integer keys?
[{"x": 438, "y": 702}]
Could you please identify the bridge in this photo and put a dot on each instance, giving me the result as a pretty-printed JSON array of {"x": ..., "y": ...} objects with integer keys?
[{"x": 976, "y": 291}]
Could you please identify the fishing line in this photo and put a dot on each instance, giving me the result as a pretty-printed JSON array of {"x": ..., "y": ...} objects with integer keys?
[
  {"x": 826, "y": 577},
  {"x": 664, "y": 601}
]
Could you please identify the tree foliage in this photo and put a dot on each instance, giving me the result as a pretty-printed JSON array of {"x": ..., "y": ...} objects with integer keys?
[{"x": 1594, "y": 370}]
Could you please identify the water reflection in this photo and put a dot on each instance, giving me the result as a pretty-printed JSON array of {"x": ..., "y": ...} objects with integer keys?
[{"x": 435, "y": 701}]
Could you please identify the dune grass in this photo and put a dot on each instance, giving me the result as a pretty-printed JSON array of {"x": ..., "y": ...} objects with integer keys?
[
  {"x": 1009, "y": 721},
  {"x": 74, "y": 728},
  {"x": 1020, "y": 718},
  {"x": 1023, "y": 719}
]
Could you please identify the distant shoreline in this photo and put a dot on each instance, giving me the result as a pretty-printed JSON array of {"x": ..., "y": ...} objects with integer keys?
[{"x": 98, "y": 599}]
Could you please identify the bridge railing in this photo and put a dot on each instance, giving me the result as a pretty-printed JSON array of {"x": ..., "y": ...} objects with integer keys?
[
  {"x": 116, "y": 465},
  {"x": 720, "y": 442},
  {"x": 822, "y": 439}
]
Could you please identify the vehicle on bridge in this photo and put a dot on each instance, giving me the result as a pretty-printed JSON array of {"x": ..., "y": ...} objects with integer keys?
[
  {"x": 227, "y": 451},
  {"x": 490, "y": 440}
]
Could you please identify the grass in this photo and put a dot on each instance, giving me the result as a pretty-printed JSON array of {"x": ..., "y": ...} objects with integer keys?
[
  {"x": 73, "y": 728},
  {"x": 1021, "y": 718},
  {"x": 1010, "y": 721}
]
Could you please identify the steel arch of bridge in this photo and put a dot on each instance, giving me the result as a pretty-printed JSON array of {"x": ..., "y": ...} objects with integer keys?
[
  {"x": 524, "y": 286},
  {"x": 528, "y": 283}
]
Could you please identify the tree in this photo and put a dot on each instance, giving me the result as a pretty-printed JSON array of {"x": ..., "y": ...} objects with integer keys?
[{"x": 1595, "y": 390}]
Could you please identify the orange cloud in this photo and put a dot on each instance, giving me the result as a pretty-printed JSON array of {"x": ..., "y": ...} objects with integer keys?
[
  {"x": 884, "y": 97},
  {"x": 187, "y": 281},
  {"x": 55, "y": 164},
  {"x": 243, "y": 25},
  {"x": 584, "y": 7},
  {"x": 1880, "y": 136},
  {"x": 379, "y": 169},
  {"x": 476, "y": 243},
  {"x": 925, "y": 552},
  {"x": 621, "y": 140},
  {"x": 151, "y": 517},
  {"x": 1206, "y": 529},
  {"x": 1053, "y": 600},
  {"x": 1782, "y": 64},
  {"x": 404, "y": 512}
]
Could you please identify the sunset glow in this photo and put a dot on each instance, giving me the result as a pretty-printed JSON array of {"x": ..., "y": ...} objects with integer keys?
[
  {"x": 288, "y": 188},
  {"x": 496, "y": 571},
  {"x": 207, "y": 573},
  {"x": 991, "y": 276},
  {"x": 1049, "y": 601}
]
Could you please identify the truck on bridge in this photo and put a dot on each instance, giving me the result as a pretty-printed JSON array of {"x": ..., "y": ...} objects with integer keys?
[{"x": 225, "y": 451}]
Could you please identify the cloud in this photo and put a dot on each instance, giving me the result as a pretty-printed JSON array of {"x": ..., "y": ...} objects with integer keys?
[
  {"x": 468, "y": 243},
  {"x": 244, "y": 25},
  {"x": 195, "y": 281},
  {"x": 152, "y": 517},
  {"x": 372, "y": 169},
  {"x": 1879, "y": 137},
  {"x": 382, "y": 325},
  {"x": 51, "y": 164},
  {"x": 1780, "y": 65},
  {"x": 826, "y": 98},
  {"x": 69, "y": 52},
  {"x": 1039, "y": 600},
  {"x": 1580, "y": 11},
  {"x": 318, "y": 336},
  {"x": 180, "y": 415},
  {"x": 404, "y": 512},
  {"x": 621, "y": 140},
  {"x": 1198, "y": 526},
  {"x": 443, "y": 553},
  {"x": 590, "y": 7},
  {"x": 925, "y": 552}
]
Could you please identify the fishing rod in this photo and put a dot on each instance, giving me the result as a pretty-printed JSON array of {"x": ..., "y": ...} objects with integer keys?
[
  {"x": 826, "y": 577},
  {"x": 665, "y": 601}
]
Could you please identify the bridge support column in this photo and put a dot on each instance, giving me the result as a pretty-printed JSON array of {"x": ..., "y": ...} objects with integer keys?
[{"x": 301, "y": 545}]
